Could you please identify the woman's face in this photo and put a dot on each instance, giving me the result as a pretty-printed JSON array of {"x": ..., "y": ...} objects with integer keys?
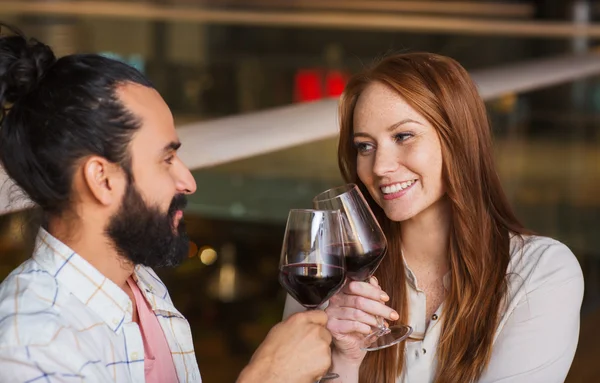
[{"x": 399, "y": 156}]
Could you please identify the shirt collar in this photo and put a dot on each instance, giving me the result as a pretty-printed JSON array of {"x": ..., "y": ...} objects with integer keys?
[
  {"x": 155, "y": 291},
  {"x": 96, "y": 291},
  {"x": 84, "y": 281}
]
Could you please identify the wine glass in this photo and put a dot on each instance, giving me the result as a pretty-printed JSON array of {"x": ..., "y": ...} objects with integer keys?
[
  {"x": 365, "y": 248},
  {"x": 311, "y": 267}
]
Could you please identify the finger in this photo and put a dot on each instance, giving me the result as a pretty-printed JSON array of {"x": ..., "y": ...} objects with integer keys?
[
  {"x": 337, "y": 298},
  {"x": 370, "y": 307},
  {"x": 325, "y": 334},
  {"x": 346, "y": 327},
  {"x": 349, "y": 313},
  {"x": 367, "y": 290},
  {"x": 313, "y": 316}
]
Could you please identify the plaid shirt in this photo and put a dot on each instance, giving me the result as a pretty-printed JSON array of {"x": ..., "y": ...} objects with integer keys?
[{"x": 61, "y": 320}]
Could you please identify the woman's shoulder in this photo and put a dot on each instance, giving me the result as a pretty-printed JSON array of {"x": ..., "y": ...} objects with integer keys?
[{"x": 542, "y": 260}]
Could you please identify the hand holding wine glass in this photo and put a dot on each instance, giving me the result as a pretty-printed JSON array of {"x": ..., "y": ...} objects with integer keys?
[
  {"x": 365, "y": 246},
  {"x": 349, "y": 324},
  {"x": 296, "y": 350}
]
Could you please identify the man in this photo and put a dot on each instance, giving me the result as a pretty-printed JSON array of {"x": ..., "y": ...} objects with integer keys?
[{"x": 94, "y": 145}]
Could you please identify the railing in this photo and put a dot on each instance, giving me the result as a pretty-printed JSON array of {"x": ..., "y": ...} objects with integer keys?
[
  {"x": 387, "y": 21},
  {"x": 465, "y": 8}
]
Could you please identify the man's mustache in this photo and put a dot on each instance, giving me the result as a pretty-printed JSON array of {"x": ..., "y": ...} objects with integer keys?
[{"x": 179, "y": 202}]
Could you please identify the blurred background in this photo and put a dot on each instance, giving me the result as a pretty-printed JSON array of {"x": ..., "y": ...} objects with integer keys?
[{"x": 248, "y": 82}]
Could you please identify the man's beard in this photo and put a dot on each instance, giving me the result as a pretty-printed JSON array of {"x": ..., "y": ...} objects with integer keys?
[{"x": 146, "y": 236}]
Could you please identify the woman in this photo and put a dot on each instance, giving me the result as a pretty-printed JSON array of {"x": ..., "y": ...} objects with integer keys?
[{"x": 487, "y": 300}]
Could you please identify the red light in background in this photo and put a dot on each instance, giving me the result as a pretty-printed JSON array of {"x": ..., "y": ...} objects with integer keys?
[
  {"x": 308, "y": 85},
  {"x": 314, "y": 84},
  {"x": 335, "y": 83}
]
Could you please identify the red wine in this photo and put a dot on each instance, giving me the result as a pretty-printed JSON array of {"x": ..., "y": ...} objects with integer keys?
[
  {"x": 311, "y": 284},
  {"x": 359, "y": 265}
]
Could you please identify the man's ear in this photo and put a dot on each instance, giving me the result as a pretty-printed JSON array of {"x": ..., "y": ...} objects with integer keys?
[{"x": 104, "y": 179}]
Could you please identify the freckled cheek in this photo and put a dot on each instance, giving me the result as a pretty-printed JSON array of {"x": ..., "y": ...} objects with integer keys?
[
  {"x": 425, "y": 160},
  {"x": 364, "y": 170},
  {"x": 430, "y": 170}
]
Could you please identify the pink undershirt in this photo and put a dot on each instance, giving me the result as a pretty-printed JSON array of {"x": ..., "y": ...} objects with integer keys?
[{"x": 158, "y": 362}]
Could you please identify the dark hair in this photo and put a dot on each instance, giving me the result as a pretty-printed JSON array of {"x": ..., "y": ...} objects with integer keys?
[{"x": 55, "y": 112}]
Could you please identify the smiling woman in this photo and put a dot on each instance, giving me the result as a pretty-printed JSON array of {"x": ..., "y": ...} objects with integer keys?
[
  {"x": 479, "y": 290},
  {"x": 396, "y": 159}
]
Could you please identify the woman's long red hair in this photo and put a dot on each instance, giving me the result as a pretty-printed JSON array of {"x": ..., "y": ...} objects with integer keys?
[{"x": 440, "y": 90}]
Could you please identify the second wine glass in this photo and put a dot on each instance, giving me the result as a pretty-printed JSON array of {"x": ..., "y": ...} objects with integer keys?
[
  {"x": 311, "y": 268},
  {"x": 366, "y": 246}
]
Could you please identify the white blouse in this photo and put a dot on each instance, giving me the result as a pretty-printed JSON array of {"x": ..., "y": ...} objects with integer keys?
[{"x": 539, "y": 327}]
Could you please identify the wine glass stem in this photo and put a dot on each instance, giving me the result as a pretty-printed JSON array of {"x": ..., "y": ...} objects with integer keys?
[
  {"x": 328, "y": 375},
  {"x": 381, "y": 324}
]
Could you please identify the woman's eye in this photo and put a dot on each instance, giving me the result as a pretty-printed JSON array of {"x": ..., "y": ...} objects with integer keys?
[
  {"x": 363, "y": 147},
  {"x": 402, "y": 137}
]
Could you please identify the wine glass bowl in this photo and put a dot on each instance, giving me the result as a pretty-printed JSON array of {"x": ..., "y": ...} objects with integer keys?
[{"x": 311, "y": 284}]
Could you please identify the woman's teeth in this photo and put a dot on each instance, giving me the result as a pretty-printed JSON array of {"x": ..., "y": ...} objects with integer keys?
[{"x": 397, "y": 187}]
